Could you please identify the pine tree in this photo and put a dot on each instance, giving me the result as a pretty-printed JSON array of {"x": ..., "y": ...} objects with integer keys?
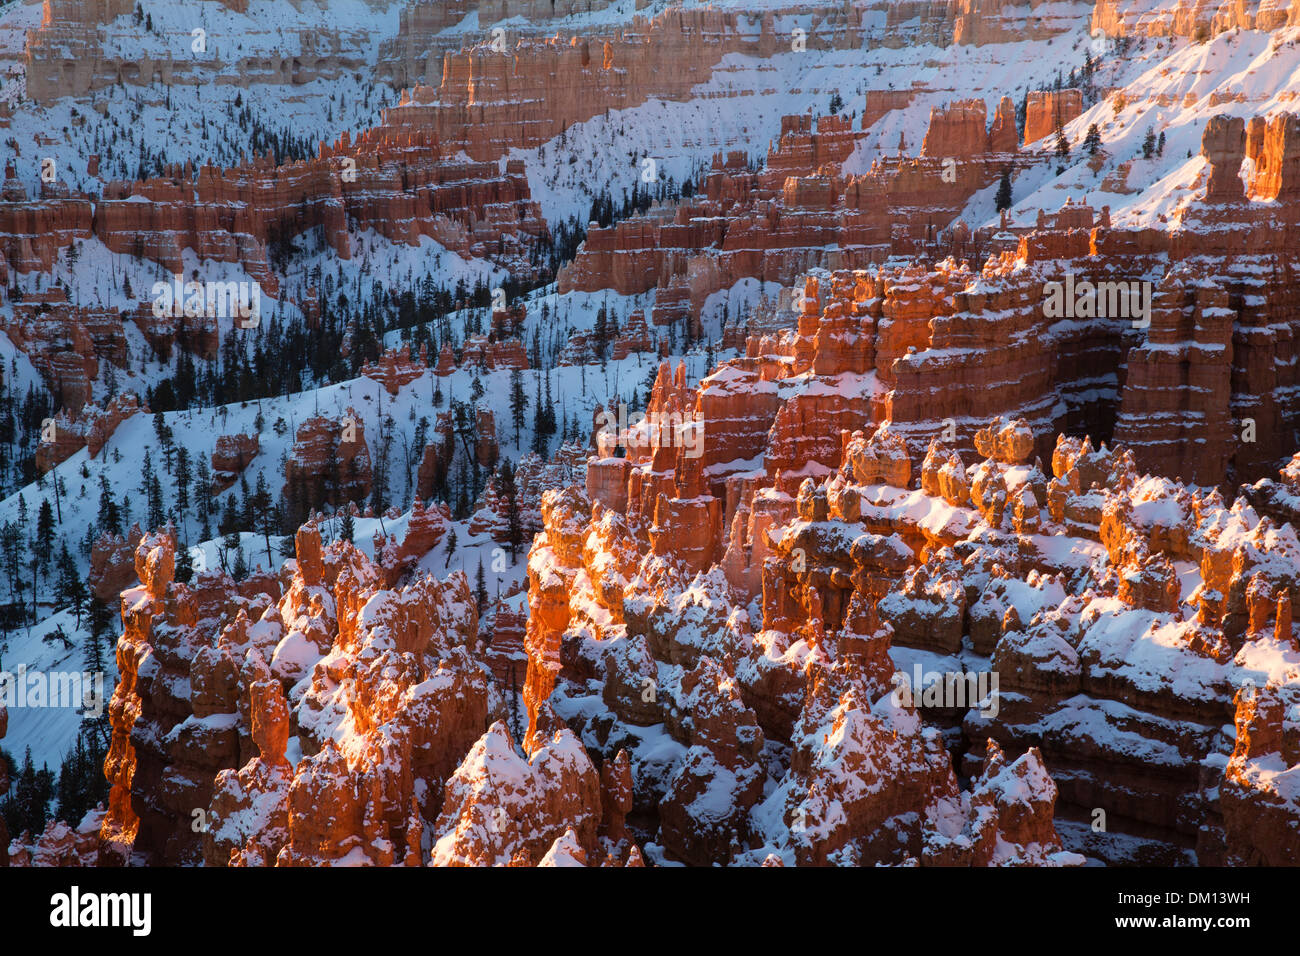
[
  {"x": 462, "y": 490},
  {"x": 299, "y": 504},
  {"x": 240, "y": 569},
  {"x": 183, "y": 489},
  {"x": 44, "y": 544},
  {"x": 71, "y": 589},
  {"x": 184, "y": 565},
  {"x": 81, "y": 782},
  {"x": 549, "y": 421},
  {"x": 26, "y": 808},
  {"x": 72, "y": 784},
  {"x": 109, "y": 517},
  {"x": 146, "y": 472},
  {"x": 518, "y": 401},
  {"x": 229, "y": 517},
  {"x": 1003, "y": 200},
  {"x": 163, "y": 433},
  {"x": 347, "y": 527},
  {"x": 1149, "y": 144},
  {"x": 539, "y": 423},
  {"x": 157, "y": 517},
  {"x": 480, "y": 588},
  {"x": 515, "y": 532},
  {"x": 11, "y": 548},
  {"x": 203, "y": 498},
  {"x": 600, "y": 333},
  {"x": 1062, "y": 145},
  {"x": 1092, "y": 142},
  {"x": 451, "y": 548},
  {"x": 264, "y": 514},
  {"x": 101, "y": 618},
  {"x": 246, "y": 519},
  {"x": 514, "y": 704}
]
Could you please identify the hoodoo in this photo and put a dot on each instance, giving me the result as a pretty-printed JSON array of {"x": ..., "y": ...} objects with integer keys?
[{"x": 854, "y": 433}]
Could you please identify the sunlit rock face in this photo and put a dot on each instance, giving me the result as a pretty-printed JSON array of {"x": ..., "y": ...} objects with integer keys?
[
  {"x": 377, "y": 693},
  {"x": 850, "y": 630},
  {"x": 957, "y": 527},
  {"x": 1090, "y": 605}
]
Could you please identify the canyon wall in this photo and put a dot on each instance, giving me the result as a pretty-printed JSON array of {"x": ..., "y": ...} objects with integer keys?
[{"x": 77, "y": 49}]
